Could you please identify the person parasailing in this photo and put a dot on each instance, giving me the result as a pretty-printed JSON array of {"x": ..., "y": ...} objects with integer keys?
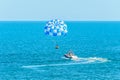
[{"x": 55, "y": 28}]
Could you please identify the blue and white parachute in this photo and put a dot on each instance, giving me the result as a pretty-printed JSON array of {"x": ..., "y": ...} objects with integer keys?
[{"x": 55, "y": 28}]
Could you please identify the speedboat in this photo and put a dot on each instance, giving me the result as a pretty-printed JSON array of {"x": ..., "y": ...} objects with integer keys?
[{"x": 71, "y": 56}]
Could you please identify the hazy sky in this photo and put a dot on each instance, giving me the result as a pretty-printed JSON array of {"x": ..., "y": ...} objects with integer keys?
[{"x": 60, "y": 9}]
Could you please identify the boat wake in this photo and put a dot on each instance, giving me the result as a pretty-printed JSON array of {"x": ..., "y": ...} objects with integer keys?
[
  {"x": 90, "y": 59},
  {"x": 77, "y": 62}
]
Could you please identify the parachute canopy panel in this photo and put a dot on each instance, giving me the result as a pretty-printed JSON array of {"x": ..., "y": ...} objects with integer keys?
[{"x": 55, "y": 28}]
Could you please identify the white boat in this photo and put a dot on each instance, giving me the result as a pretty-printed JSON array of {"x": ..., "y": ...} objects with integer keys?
[{"x": 71, "y": 56}]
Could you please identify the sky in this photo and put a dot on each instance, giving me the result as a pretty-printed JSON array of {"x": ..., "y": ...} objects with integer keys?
[{"x": 75, "y": 10}]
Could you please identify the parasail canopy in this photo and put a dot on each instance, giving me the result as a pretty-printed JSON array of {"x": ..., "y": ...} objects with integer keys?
[{"x": 55, "y": 27}]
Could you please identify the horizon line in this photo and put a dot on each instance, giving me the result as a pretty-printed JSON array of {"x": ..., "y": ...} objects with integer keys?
[{"x": 63, "y": 20}]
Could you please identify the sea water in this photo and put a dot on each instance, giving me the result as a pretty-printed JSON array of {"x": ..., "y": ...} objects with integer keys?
[{"x": 26, "y": 53}]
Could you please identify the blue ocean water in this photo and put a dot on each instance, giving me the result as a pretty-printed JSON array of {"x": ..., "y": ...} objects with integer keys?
[{"x": 26, "y": 53}]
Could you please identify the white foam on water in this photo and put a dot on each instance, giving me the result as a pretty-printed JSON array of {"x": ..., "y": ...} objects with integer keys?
[
  {"x": 90, "y": 59},
  {"x": 37, "y": 66},
  {"x": 94, "y": 59},
  {"x": 77, "y": 62}
]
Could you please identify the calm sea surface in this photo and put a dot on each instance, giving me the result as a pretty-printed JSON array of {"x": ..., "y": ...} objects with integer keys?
[{"x": 26, "y": 53}]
